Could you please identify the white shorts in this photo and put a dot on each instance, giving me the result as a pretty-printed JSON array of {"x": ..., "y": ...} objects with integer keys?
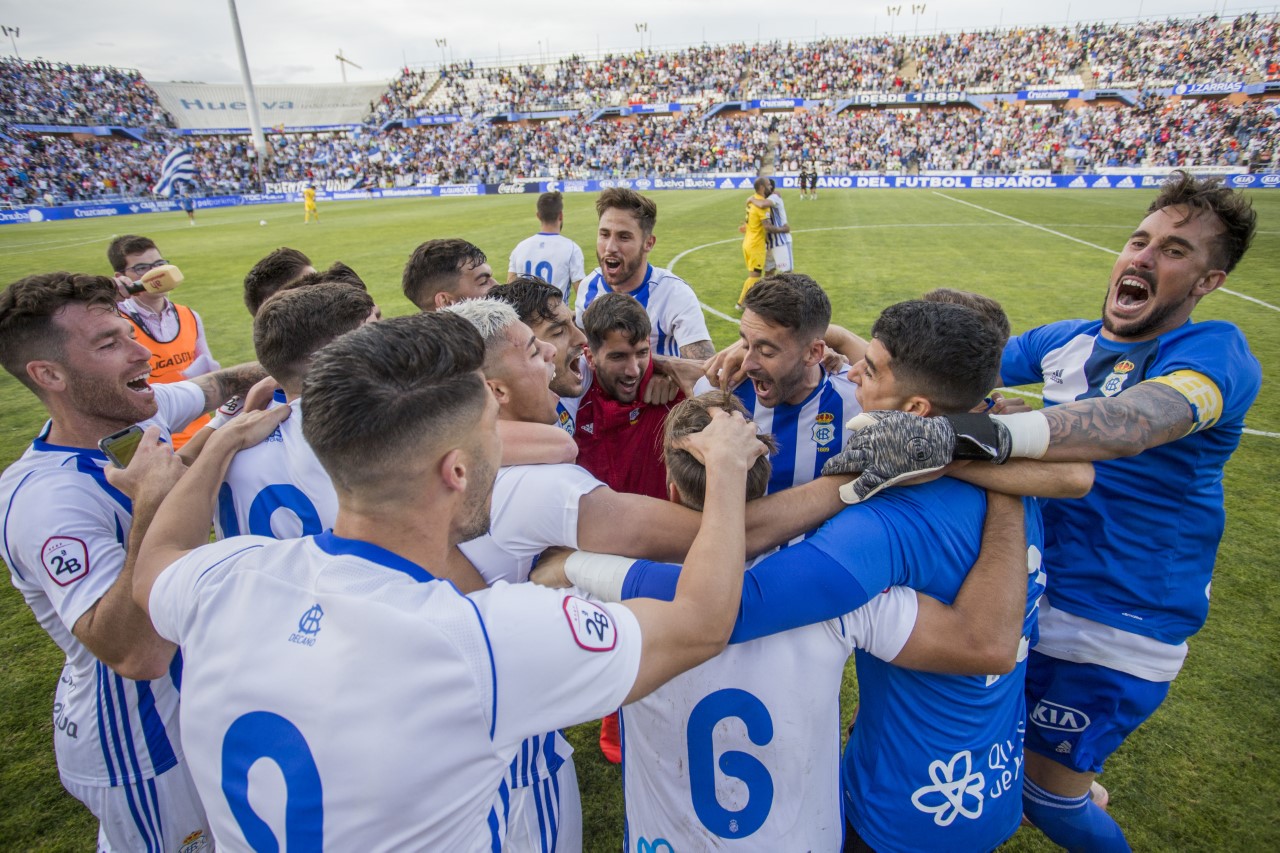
[
  {"x": 546, "y": 815},
  {"x": 163, "y": 813},
  {"x": 779, "y": 258}
]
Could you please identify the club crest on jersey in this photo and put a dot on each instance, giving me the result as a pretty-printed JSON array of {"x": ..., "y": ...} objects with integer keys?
[
  {"x": 1119, "y": 373},
  {"x": 195, "y": 842},
  {"x": 308, "y": 626},
  {"x": 591, "y": 625},
  {"x": 824, "y": 429},
  {"x": 1050, "y": 715},
  {"x": 634, "y": 416},
  {"x": 65, "y": 558}
]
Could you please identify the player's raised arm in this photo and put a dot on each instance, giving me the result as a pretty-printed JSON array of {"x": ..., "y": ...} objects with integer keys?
[{"x": 695, "y": 626}]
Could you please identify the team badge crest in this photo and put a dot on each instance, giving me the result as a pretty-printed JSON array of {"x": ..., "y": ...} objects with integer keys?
[
  {"x": 591, "y": 625},
  {"x": 65, "y": 558},
  {"x": 308, "y": 626},
  {"x": 1119, "y": 373},
  {"x": 196, "y": 842},
  {"x": 824, "y": 428}
]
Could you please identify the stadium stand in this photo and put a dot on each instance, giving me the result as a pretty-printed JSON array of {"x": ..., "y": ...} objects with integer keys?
[{"x": 45, "y": 165}]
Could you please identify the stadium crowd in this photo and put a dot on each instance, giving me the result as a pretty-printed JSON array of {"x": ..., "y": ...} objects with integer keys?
[
  {"x": 1143, "y": 55},
  {"x": 56, "y": 168},
  {"x": 40, "y": 92},
  {"x": 1008, "y": 137}
]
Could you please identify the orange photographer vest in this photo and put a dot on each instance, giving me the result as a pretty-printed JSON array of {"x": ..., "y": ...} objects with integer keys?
[{"x": 170, "y": 358}]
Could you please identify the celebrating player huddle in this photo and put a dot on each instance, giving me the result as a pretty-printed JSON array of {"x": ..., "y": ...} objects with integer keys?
[{"x": 444, "y": 537}]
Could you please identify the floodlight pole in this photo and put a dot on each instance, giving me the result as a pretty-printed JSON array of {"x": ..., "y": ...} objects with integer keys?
[
  {"x": 13, "y": 33},
  {"x": 251, "y": 100}
]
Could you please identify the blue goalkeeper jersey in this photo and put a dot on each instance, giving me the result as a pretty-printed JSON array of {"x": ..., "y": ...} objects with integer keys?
[{"x": 1137, "y": 553}]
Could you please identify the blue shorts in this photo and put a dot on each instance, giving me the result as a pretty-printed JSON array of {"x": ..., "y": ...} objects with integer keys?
[{"x": 1080, "y": 713}]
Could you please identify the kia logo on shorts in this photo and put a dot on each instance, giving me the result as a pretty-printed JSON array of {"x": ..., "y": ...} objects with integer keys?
[{"x": 1050, "y": 715}]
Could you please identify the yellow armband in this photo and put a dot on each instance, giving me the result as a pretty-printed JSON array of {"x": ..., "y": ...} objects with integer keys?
[{"x": 1201, "y": 393}]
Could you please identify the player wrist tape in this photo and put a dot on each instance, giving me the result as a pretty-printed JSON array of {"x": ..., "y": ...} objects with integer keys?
[
  {"x": 1028, "y": 433},
  {"x": 226, "y": 412},
  {"x": 599, "y": 574},
  {"x": 978, "y": 438}
]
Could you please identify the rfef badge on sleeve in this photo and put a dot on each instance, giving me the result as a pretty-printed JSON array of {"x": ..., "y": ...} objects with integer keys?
[
  {"x": 65, "y": 558},
  {"x": 591, "y": 625}
]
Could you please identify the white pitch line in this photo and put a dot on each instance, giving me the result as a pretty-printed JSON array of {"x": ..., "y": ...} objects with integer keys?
[
  {"x": 1081, "y": 242},
  {"x": 672, "y": 264}
]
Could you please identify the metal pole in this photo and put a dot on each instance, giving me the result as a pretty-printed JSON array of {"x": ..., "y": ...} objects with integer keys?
[{"x": 251, "y": 99}]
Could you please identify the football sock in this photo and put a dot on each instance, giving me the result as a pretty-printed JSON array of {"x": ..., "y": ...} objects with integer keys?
[{"x": 1074, "y": 823}]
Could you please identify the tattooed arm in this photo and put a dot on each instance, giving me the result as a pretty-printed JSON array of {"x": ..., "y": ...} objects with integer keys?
[
  {"x": 698, "y": 350},
  {"x": 1147, "y": 415},
  {"x": 222, "y": 385}
]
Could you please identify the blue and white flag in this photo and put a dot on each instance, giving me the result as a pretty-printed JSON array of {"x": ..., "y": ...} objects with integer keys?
[{"x": 177, "y": 167}]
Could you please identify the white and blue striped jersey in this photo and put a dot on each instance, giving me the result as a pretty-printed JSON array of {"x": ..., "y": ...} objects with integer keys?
[
  {"x": 65, "y": 536},
  {"x": 1146, "y": 584},
  {"x": 777, "y": 218},
  {"x": 552, "y": 257},
  {"x": 465, "y": 680},
  {"x": 671, "y": 303},
  {"x": 808, "y": 433},
  {"x": 278, "y": 487}
]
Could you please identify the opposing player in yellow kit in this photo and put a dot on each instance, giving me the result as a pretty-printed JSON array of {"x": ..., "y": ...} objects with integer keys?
[
  {"x": 309, "y": 205},
  {"x": 753, "y": 240}
]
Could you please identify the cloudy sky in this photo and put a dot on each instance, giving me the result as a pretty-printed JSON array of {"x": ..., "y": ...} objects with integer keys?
[{"x": 292, "y": 41}]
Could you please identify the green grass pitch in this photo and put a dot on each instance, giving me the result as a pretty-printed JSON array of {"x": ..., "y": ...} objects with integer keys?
[{"x": 1202, "y": 774}]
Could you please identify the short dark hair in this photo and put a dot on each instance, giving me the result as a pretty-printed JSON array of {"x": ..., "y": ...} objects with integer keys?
[
  {"x": 129, "y": 244},
  {"x": 550, "y": 207},
  {"x": 946, "y": 353},
  {"x": 534, "y": 299},
  {"x": 760, "y": 184},
  {"x": 615, "y": 312},
  {"x": 292, "y": 325},
  {"x": 990, "y": 309},
  {"x": 280, "y": 268},
  {"x": 434, "y": 267},
  {"x": 690, "y": 475},
  {"x": 792, "y": 300},
  {"x": 641, "y": 207},
  {"x": 376, "y": 396},
  {"x": 27, "y": 310},
  {"x": 1208, "y": 195},
  {"x": 337, "y": 273}
]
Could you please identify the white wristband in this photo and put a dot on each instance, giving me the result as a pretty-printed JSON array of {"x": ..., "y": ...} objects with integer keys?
[
  {"x": 226, "y": 412},
  {"x": 1028, "y": 433},
  {"x": 599, "y": 574}
]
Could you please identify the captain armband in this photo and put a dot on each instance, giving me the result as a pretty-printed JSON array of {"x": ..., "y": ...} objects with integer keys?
[{"x": 1201, "y": 394}]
